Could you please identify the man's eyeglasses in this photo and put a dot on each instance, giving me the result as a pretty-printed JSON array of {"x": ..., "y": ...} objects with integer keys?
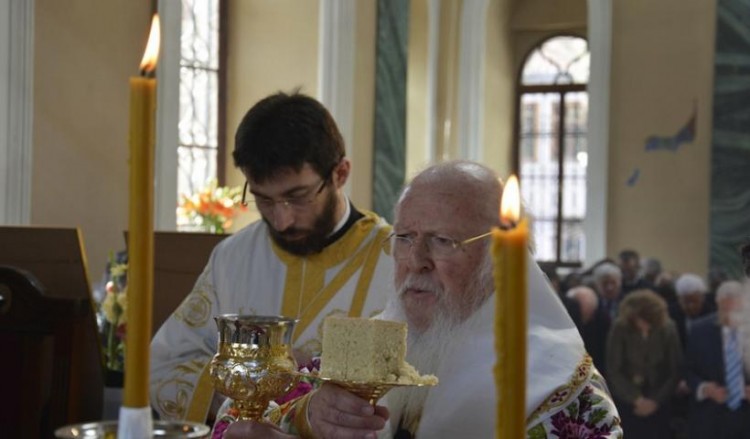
[
  {"x": 439, "y": 247},
  {"x": 298, "y": 202},
  {"x": 294, "y": 202}
]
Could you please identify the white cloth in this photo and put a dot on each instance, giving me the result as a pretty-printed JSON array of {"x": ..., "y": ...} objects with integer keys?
[
  {"x": 464, "y": 403},
  {"x": 248, "y": 274},
  {"x": 135, "y": 423}
]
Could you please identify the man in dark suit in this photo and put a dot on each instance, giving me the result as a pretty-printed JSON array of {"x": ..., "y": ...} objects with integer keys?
[
  {"x": 692, "y": 304},
  {"x": 720, "y": 407},
  {"x": 630, "y": 264},
  {"x": 608, "y": 283},
  {"x": 593, "y": 323}
]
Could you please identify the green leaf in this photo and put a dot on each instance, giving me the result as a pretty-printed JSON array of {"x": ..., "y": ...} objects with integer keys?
[
  {"x": 537, "y": 432},
  {"x": 597, "y": 416}
]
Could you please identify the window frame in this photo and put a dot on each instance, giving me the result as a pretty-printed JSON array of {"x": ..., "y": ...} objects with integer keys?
[{"x": 561, "y": 90}]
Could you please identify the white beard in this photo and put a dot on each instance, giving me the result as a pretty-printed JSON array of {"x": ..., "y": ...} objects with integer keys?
[
  {"x": 424, "y": 352},
  {"x": 426, "y": 349}
]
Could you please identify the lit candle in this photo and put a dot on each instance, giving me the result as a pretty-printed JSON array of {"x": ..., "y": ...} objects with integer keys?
[
  {"x": 509, "y": 253},
  {"x": 133, "y": 420}
]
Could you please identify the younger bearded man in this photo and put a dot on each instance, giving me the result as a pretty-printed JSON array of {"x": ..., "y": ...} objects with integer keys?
[{"x": 311, "y": 255}]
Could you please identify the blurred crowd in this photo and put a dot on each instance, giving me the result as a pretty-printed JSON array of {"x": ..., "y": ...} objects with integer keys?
[{"x": 674, "y": 347}]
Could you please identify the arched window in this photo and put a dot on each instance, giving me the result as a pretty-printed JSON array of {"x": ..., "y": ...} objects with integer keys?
[
  {"x": 201, "y": 144},
  {"x": 200, "y": 78},
  {"x": 551, "y": 152}
]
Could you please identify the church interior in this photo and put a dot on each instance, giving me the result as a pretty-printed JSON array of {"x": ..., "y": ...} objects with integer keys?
[
  {"x": 666, "y": 141},
  {"x": 664, "y": 63}
]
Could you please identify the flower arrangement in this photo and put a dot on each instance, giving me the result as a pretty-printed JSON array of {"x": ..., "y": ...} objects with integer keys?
[
  {"x": 113, "y": 310},
  {"x": 211, "y": 209}
]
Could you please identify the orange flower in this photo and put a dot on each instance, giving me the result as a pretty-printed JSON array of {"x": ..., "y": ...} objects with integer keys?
[{"x": 211, "y": 209}]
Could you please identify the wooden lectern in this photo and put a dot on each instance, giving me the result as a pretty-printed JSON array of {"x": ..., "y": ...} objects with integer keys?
[
  {"x": 179, "y": 258},
  {"x": 53, "y": 371}
]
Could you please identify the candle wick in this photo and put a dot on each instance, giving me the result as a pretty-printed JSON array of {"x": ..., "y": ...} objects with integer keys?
[
  {"x": 148, "y": 73},
  {"x": 507, "y": 224}
]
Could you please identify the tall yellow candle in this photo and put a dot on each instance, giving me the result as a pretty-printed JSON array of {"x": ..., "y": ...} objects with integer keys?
[
  {"x": 509, "y": 253},
  {"x": 141, "y": 226}
]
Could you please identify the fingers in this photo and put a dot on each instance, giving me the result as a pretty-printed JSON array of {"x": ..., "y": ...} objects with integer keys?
[
  {"x": 385, "y": 414},
  {"x": 721, "y": 395},
  {"x": 334, "y": 396},
  {"x": 336, "y": 413}
]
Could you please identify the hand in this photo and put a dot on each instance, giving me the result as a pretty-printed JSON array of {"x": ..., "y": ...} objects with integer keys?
[
  {"x": 644, "y": 406},
  {"x": 715, "y": 392},
  {"x": 334, "y": 412},
  {"x": 682, "y": 388},
  {"x": 254, "y": 429}
]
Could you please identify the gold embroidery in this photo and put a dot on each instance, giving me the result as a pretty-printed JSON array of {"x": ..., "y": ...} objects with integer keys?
[
  {"x": 564, "y": 394},
  {"x": 367, "y": 272},
  {"x": 173, "y": 395},
  {"x": 202, "y": 397},
  {"x": 305, "y": 279},
  {"x": 174, "y": 408},
  {"x": 195, "y": 310}
]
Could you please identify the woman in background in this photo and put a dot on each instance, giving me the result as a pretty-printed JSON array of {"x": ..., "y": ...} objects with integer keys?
[{"x": 643, "y": 364}]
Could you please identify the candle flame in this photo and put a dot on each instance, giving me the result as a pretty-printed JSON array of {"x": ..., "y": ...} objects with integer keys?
[
  {"x": 151, "y": 55},
  {"x": 510, "y": 203}
]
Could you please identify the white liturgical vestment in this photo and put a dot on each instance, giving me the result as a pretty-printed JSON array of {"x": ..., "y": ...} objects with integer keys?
[
  {"x": 248, "y": 273},
  {"x": 560, "y": 377}
]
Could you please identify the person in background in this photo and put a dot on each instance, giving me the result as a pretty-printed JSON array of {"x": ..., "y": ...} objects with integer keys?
[
  {"x": 716, "y": 277},
  {"x": 691, "y": 294},
  {"x": 691, "y": 306},
  {"x": 717, "y": 368},
  {"x": 550, "y": 271},
  {"x": 630, "y": 264},
  {"x": 571, "y": 280},
  {"x": 608, "y": 280},
  {"x": 643, "y": 364},
  {"x": 651, "y": 271},
  {"x": 312, "y": 253},
  {"x": 594, "y": 323}
]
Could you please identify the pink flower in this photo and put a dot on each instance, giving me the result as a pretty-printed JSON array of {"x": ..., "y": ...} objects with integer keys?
[
  {"x": 303, "y": 388},
  {"x": 219, "y": 428}
]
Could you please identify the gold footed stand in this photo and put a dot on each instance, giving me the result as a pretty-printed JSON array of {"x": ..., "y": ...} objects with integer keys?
[
  {"x": 250, "y": 410},
  {"x": 370, "y": 391}
]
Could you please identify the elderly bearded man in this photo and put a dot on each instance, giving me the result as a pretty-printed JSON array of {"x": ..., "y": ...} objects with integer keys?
[{"x": 445, "y": 293}]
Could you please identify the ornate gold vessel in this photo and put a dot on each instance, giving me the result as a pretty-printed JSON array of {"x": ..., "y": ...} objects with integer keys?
[
  {"x": 108, "y": 430},
  {"x": 371, "y": 391},
  {"x": 254, "y": 362}
]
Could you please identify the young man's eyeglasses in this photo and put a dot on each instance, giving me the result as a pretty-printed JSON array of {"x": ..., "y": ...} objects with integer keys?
[
  {"x": 298, "y": 202},
  {"x": 439, "y": 247}
]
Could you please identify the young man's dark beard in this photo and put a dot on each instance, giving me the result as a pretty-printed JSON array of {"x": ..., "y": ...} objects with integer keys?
[{"x": 316, "y": 238}]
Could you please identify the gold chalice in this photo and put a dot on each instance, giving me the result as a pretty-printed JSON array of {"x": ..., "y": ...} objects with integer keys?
[{"x": 254, "y": 362}]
